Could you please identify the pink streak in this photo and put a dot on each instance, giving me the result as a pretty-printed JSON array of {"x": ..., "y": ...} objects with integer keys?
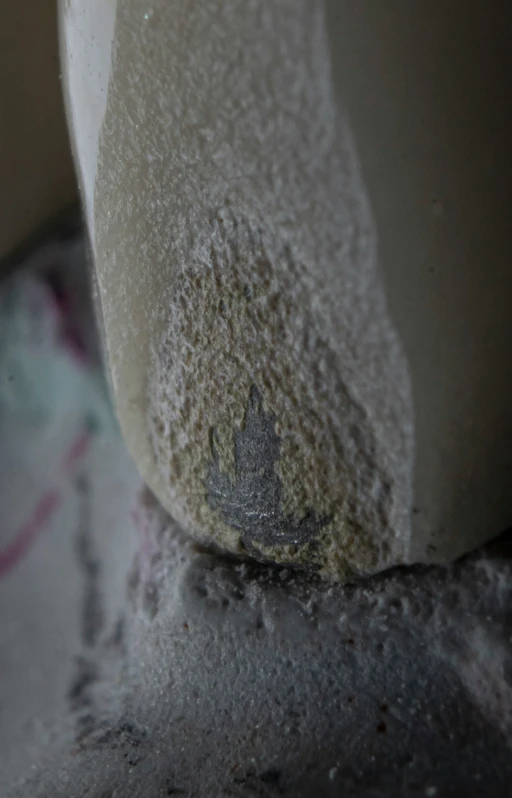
[
  {"x": 146, "y": 544},
  {"x": 44, "y": 510},
  {"x": 14, "y": 553},
  {"x": 75, "y": 452}
]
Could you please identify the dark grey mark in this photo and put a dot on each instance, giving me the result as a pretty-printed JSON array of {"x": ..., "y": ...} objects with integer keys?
[
  {"x": 262, "y": 783},
  {"x": 150, "y": 600},
  {"x": 92, "y": 613},
  {"x": 126, "y": 738},
  {"x": 272, "y": 776},
  {"x": 81, "y": 701},
  {"x": 125, "y": 733},
  {"x": 507, "y": 672},
  {"x": 133, "y": 582},
  {"x": 146, "y": 594},
  {"x": 79, "y": 695},
  {"x": 85, "y": 727},
  {"x": 116, "y": 637},
  {"x": 200, "y": 591},
  {"x": 252, "y": 504},
  {"x": 171, "y": 789}
]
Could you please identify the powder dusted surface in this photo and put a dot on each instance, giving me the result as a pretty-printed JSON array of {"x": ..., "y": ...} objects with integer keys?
[
  {"x": 246, "y": 680},
  {"x": 137, "y": 664},
  {"x": 254, "y": 429},
  {"x": 236, "y": 253}
]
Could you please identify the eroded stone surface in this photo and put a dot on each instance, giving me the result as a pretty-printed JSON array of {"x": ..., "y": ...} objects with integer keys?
[
  {"x": 260, "y": 438},
  {"x": 238, "y": 250},
  {"x": 251, "y": 502},
  {"x": 229, "y": 103}
]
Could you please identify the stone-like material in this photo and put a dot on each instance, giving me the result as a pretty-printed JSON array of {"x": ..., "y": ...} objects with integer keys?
[
  {"x": 246, "y": 680},
  {"x": 137, "y": 664},
  {"x": 237, "y": 253},
  {"x": 292, "y": 198}
]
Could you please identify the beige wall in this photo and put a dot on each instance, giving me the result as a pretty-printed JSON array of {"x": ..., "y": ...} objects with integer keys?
[{"x": 36, "y": 171}]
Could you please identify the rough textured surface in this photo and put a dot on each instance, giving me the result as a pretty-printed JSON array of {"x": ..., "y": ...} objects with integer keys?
[
  {"x": 244, "y": 329},
  {"x": 244, "y": 680},
  {"x": 250, "y": 499},
  {"x": 235, "y": 250},
  {"x": 200, "y": 106},
  {"x": 143, "y": 666}
]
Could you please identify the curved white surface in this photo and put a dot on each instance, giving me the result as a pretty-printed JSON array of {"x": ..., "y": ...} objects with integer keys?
[{"x": 87, "y": 35}]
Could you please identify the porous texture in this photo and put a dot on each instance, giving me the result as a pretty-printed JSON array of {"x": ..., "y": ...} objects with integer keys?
[
  {"x": 246, "y": 680},
  {"x": 236, "y": 258},
  {"x": 146, "y": 666},
  {"x": 262, "y": 445}
]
